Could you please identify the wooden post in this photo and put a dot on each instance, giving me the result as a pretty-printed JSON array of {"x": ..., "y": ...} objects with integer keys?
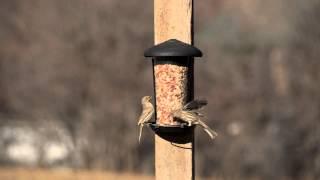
[{"x": 174, "y": 156}]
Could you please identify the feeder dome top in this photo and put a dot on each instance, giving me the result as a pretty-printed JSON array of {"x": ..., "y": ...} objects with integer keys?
[{"x": 173, "y": 48}]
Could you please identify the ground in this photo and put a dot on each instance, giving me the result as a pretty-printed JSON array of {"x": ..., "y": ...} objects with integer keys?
[{"x": 63, "y": 174}]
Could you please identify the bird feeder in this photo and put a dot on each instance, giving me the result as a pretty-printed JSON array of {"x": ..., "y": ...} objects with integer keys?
[{"x": 172, "y": 63}]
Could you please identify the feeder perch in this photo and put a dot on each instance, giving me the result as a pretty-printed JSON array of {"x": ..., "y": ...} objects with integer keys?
[{"x": 172, "y": 63}]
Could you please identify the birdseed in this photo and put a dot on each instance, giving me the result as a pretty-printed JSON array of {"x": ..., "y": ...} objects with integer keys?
[{"x": 171, "y": 90}]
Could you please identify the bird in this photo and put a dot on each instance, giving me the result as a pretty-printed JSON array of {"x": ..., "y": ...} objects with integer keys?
[
  {"x": 190, "y": 114},
  {"x": 146, "y": 114}
]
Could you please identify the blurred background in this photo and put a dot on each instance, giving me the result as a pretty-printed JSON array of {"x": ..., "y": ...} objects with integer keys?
[{"x": 72, "y": 74}]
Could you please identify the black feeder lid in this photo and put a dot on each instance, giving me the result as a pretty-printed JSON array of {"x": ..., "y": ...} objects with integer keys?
[{"x": 173, "y": 48}]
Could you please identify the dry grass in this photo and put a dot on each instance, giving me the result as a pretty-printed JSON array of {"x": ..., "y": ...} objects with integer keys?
[
  {"x": 41, "y": 174},
  {"x": 67, "y": 174}
]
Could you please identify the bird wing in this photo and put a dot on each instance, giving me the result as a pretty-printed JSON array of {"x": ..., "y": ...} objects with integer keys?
[
  {"x": 145, "y": 116},
  {"x": 195, "y": 104},
  {"x": 186, "y": 116},
  {"x": 199, "y": 114}
]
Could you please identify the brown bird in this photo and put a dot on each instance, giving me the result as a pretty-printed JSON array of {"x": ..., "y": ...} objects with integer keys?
[
  {"x": 190, "y": 114},
  {"x": 147, "y": 113}
]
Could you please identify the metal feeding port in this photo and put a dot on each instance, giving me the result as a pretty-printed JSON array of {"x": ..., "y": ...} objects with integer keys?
[{"x": 172, "y": 63}]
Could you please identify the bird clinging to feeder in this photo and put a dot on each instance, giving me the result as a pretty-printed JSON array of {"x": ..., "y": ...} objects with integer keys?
[
  {"x": 190, "y": 114},
  {"x": 146, "y": 114}
]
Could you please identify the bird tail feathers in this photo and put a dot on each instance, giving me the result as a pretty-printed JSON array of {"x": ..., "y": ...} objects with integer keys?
[
  {"x": 208, "y": 130},
  {"x": 140, "y": 132}
]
